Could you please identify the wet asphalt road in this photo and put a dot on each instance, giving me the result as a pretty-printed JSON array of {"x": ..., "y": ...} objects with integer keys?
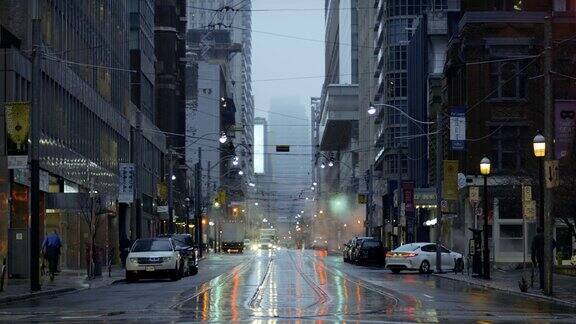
[{"x": 289, "y": 286}]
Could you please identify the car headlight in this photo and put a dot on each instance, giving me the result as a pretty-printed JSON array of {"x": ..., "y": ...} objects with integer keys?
[
  {"x": 134, "y": 260},
  {"x": 167, "y": 259}
]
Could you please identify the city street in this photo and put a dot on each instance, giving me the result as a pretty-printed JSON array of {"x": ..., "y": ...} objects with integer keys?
[{"x": 288, "y": 285}]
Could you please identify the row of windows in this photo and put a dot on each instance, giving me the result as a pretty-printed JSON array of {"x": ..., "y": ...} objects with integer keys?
[
  {"x": 397, "y": 58},
  {"x": 391, "y": 164},
  {"x": 65, "y": 118},
  {"x": 405, "y": 7},
  {"x": 398, "y": 31},
  {"x": 91, "y": 32}
]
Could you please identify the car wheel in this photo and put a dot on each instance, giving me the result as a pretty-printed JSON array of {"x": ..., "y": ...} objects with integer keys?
[
  {"x": 181, "y": 272},
  {"x": 174, "y": 275},
  {"x": 459, "y": 265},
  {"x": 424, "y": 267},
  {"x": 395, "y": 271},
  {"x": 130, "y": 277}
]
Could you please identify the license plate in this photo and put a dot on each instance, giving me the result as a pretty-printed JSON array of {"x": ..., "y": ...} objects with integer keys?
[{"x": 150, "y": 269}]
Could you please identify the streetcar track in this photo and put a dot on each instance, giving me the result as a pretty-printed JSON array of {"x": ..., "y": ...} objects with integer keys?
[
  {"x": 223, "y": 278},
  {"x": 259, "y": 293},
  {"x": 359, "y": 282},
  {"x": 323, "y": 297}
]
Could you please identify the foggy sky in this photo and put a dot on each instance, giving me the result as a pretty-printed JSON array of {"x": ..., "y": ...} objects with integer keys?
[{"x": 279, "y": 57}]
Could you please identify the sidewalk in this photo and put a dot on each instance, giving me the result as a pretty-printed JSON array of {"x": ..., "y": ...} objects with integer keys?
[
  {"x": 66, "y": 281},
  {"x": 564, "y": 286}
]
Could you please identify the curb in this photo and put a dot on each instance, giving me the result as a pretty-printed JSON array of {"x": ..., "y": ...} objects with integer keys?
[
  {"x": 513, "y": 292},
  {"x": 11, "y": 299}
]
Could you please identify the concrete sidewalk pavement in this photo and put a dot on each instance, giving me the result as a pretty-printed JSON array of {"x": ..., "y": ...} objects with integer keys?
[
  {"x": 507, "y": 280},
  {"x": 65, "y": 281}
]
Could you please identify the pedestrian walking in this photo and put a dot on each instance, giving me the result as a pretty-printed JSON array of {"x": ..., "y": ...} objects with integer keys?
[
  {"x": 537, "y": 253},
  {"x": 51, "y": 249}
]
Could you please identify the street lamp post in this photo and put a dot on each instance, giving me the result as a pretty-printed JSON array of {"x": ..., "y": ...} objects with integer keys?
[
  {"x": 187, "y": 201},
  {"x": 485, "y": 171},
  {"x": 539, "y": 144}
]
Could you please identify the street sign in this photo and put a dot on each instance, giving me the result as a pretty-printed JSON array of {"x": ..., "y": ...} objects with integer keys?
[
  {"x": 444, "y": 206},
  {"x": 282, "y": 148},
  {"x": 526, "y": 193},
  {"x": 474, "y": 194},
  {"x": 479, "y": 211},
  {"x": 552, "y": 173},
  {"x": 162, "y": 209},
  {"x": 529, "y": 211},
  {"x": 17, "y": 162},
  {"x": 126, "y": 186}
]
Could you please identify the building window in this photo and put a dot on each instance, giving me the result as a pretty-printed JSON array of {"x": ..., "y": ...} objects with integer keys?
[
  {"x": 391, "y": 164},
  {"x": 509, "y": 144},
  {"x": 508, "y": 81}
]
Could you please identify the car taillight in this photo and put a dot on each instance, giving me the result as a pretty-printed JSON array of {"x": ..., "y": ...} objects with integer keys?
[
  {"x": 409, "y": 255},
  {"x": 389, "y": 254}
]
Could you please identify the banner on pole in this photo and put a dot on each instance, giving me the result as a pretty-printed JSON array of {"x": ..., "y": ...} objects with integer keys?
[
  {"x": 408, "y": 195},
  {"x": 458, "y": 128},
  {"x": 565, "y": 126},
  {"x": 126, "y": 187},
  {"x": 450, "y": 183},
  {"x": 17, "y": 133}
]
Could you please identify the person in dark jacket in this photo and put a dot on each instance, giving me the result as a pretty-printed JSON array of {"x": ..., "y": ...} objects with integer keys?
[
  {"x": 51, "y": 248},
  {"x": 537, "y": 252}
]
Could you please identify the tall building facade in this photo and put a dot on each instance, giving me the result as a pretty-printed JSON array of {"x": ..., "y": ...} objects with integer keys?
[
  {"x": 170, "y": 40},
  {"x": 85, "y": 132},
  {"x": 148, "y": 144},
  {"x": 338, "y": 133},
  {"x": 204, "y": 15}
]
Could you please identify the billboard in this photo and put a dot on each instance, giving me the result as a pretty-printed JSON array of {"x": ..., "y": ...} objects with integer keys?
[{"x": 259, "y": 149}]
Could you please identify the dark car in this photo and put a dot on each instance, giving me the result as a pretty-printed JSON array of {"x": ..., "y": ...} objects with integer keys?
[
  {"x": 184, "y": 243},
  {"x": 355, "y": 247},
  {"x": 371, "y": 252}
]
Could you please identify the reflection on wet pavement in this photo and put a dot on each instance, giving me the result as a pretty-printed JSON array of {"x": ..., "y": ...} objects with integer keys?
[
  {"x": 285, "y": 284},
  {"x": 291, "y": 286}
]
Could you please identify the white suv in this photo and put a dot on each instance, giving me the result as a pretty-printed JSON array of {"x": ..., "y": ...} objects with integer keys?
[{"x": 153, "y": 258}]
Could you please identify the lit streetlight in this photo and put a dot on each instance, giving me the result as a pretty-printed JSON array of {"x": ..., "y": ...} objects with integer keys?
[
  {"x": 539, "y": 145},
  {"x": 485, "y": 171},
  {"x": 223, "y": 138},
  {"x": 371, "y": 109}
]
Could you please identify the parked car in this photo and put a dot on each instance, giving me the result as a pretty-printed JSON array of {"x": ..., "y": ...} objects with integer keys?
[
  {"x": 346, "y": 251},
  {"x": 356, "y": 242},
  {"x": 153, "y": 258},
  {"x": 371, "y": 251},
  {"x": 422, "y": 257},
  {"x": 188, "y": 251}
]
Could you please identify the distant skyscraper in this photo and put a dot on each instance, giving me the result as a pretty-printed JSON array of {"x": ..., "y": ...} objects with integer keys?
[{"x": 289, "y": 125}]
